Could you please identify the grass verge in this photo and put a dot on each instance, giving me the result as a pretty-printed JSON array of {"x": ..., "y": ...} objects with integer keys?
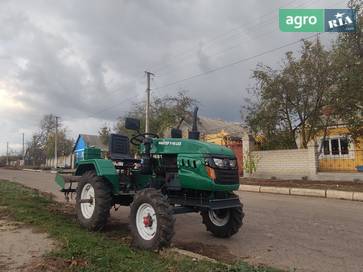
[{"x": 81, "y": 250}]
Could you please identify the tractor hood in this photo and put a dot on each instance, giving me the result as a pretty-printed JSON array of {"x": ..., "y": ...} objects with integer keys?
[{"x": 188, "y": 146}]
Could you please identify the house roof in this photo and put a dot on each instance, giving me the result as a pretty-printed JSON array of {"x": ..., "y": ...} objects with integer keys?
[
  {"x": 92, "y": 140},
  {"x": 216, "y": 125},
  {"x": 211, "y": 126}
]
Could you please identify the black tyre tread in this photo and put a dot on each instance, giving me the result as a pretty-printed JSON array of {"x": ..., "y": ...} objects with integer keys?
[
  {"x": 103, "y": 197},
  {"x": 165, "y": 218},
  {"x": 231, "y": 228}
]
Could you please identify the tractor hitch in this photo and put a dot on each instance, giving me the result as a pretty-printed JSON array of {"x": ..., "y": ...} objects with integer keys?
[{"x": 66, "y": 183}]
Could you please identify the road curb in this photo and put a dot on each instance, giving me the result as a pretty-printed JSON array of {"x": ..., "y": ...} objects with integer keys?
[
  {"x": 339, "y": 194},
  {"x": 191, "y": 254},
  {"x": 275, "y": 190},
  {"x": 249, "y": 188},
  {"x": 308, "y": 192},
  {"x": 32, "y": 170},
  {"x": 328, "y": 193},
  {"x": 358, "y": 196}
]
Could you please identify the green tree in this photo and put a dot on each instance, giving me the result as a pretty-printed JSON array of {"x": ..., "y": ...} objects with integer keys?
[
  {"x": 104, "y": 133},
  {"x": 35, "y": 154},
  {"x": 289, "y": 101},
  {"x": 348, "y": 59},
  {"x": 64, "y": 145},
  {"x": 41, "y": 145},
  {"x": 165, "y": 112}
]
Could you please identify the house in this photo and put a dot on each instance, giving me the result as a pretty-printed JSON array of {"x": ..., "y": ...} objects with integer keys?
[
  {"x": 337, "y": 151},
  {"x": 83, "y": 141}
]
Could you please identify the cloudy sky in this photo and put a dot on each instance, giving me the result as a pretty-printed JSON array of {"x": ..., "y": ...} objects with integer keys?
[{"x": 85, "y": 60}]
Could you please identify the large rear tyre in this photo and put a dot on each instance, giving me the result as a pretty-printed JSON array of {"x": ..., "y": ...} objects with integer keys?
[
  {"x": 223, "y": 223},
  {"x": 151, "y": 220},
  {"x": 93, "y": 201}
]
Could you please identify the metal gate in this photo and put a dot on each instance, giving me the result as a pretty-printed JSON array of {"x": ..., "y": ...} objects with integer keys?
[{"x": 236, "y": 147}]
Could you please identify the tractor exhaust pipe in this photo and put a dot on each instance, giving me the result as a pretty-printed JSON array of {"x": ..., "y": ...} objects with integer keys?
[{"x": 194, "y": 134}]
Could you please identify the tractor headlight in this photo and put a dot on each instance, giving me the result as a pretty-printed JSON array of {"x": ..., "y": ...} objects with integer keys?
[
  {"x": 221, "y": 163},
  {"x": 233, "y": 163},
  {"x": 218, "y": 162}
]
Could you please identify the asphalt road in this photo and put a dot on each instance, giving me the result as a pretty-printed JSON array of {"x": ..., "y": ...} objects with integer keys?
[{"x": 288, "y": 232}]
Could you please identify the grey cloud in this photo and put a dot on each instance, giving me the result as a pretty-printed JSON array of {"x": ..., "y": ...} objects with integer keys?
[{"x": 77, "y": 58}]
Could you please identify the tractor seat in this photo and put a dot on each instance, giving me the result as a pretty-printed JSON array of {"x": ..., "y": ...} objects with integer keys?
[{"x": 119, "y": 149}]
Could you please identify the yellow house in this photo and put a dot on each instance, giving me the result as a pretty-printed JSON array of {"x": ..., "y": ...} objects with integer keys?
[
  {"x": 338, "y": 151},
  {"x": 211, "y": 130},
  {"x": 217, "y": 138}
]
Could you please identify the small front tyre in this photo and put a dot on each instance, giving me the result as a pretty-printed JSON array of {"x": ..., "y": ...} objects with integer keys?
[
  {"x": 223, "y": 223},
  {"x": 151, "y": 220}
]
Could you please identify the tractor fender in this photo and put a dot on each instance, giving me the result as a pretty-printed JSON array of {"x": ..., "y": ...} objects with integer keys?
[{"x": 103, "y": 168}]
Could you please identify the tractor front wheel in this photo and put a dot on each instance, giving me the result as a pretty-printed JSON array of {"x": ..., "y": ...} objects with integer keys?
[
  {"x": 93, "y": 201},
  {"x": 223, "y": 223},
  {"x": 151, "y": 220}
]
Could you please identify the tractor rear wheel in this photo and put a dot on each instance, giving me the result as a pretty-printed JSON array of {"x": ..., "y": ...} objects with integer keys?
[
  {"x": 93, "y": 201},
  {"x": 223, "y": 223},
  {"x": 151, "y": 220}
]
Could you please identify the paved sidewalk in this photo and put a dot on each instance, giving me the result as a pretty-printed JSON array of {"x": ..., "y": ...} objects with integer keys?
[{"x": 326, "y": 193}]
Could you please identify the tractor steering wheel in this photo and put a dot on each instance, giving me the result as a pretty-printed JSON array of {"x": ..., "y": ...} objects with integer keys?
[{"x": 139, "y": 138}]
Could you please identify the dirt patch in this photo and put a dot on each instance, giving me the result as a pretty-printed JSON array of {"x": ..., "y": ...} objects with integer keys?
[
  {"x": 20, "y": 245},
  {"x": 67, "y": 209},
  {"x": 53, "y": 264},
  {"x": 311, "y": 184},
  {"x": 217, "y": 252}
]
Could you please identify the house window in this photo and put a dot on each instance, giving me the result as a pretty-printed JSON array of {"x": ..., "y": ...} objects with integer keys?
[
  {"x": 336, "y": 146},
  {"x": 344, "y": 146}
]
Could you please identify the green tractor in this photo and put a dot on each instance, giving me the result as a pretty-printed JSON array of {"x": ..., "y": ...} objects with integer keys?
[{"x": 173, "y": 176}]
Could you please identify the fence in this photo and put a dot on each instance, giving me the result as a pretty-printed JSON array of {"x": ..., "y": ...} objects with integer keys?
[
  {"x": 282, "y": 164},
  {"x": 63, "y": 162},
  {"x": 331, "y": 164}
]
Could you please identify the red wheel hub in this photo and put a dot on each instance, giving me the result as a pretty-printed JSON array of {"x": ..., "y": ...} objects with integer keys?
[{"x": 148, "y": 221}]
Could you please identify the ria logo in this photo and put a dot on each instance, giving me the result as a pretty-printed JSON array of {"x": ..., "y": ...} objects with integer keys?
[
  {"x": 317, "y": 20},
  {"x": 340, "y": 20}
]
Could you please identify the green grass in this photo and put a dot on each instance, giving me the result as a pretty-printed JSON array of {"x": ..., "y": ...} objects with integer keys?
[{"x": 93, "y": 251}]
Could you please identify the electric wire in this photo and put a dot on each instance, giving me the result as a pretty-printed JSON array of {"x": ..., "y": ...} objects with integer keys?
[
  {"x": 234, "y": 63},
  {"x": 213, "y": 40}
]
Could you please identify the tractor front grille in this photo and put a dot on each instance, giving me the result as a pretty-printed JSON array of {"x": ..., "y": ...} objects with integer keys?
[{"x": 226, "y": 176}]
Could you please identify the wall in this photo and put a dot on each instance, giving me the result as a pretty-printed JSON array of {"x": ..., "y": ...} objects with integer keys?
[
  {"x": 292, "y": 164},
  {"x": 63, "y": 162},
  {"x": 79, "y": 148},
  {"x": 282, "y": 164}
]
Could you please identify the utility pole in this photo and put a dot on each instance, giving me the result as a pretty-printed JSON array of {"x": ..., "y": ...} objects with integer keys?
[
  {"x": 23, "y": 155},
  {"x": 148, "y": 75},
  {"x": 56, "y": 143},
  {"x": 7, "y": 153}
]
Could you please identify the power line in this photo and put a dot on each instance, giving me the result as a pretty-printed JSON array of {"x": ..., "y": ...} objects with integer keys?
[
  {"x": 207, "y": 72},
  {"x": 233, "y": 63},
  {"x": 213, "y": 40},
  {"x": 220, "y": 52}
]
